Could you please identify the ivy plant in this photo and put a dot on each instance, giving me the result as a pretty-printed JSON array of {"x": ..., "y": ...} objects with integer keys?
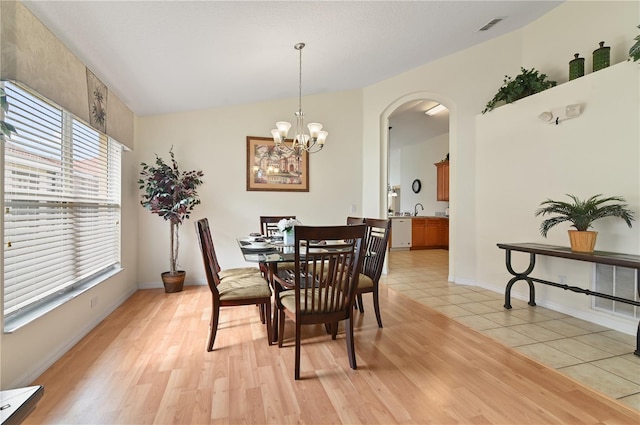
[
  {"x": 634, "y": 51},
  {"x": 528, "y": 82},
  {"x": 6, "y": 129}
]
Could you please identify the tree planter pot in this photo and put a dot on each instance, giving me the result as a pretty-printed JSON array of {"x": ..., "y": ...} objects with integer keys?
[
  {"x": 173, "y": 282},
  {"x": 582, "y": 241}
]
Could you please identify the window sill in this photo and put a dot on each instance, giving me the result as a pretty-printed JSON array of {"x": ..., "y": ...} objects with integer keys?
[{"x": 28, "y": 315}]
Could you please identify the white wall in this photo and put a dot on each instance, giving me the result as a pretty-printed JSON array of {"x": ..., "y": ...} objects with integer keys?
[
  {"x": 395, "y": 167},
  {"x": 417, "y": 162},
  {"x": 521, "y": 161},
  {"x": 465, "y": 81},
  {"x": 215, "y": 142}
]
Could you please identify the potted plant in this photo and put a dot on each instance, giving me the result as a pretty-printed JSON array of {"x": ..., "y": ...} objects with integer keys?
[
  {"x": 528, "y": 82},
  {"x": 172, "y": 195},
  {"x": 286, "y": 226},
  {"x": 6, "y": 129},
  {"x": 582, "y": 214},
  {"x": 634, "y": 51}
]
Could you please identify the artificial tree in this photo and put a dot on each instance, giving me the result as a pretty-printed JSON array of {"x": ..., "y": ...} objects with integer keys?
[{"x": 172, "y": 194}]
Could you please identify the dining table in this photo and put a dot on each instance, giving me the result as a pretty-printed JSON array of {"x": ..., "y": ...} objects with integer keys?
[{"x": 271, "y": 252}]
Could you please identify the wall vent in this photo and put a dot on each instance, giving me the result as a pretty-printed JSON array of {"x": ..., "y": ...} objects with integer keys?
[
  {"x": 618, "y": 281},
  {"x": 490, "y": 24}
]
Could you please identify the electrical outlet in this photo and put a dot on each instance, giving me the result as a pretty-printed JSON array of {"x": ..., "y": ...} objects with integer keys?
[
  {"x": 94, "y": 302},
  {"x": 562, "y": 278}
]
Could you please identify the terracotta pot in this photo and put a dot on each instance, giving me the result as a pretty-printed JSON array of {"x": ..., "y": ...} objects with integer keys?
[
  {"x": 173, "y": 282},
  {"x": 582, "y": 241}
]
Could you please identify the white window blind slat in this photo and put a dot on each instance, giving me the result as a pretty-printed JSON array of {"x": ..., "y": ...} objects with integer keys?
[{"x": 62, "y": 202}]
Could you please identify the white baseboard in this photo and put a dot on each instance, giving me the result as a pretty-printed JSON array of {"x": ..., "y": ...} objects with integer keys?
[
  {"x": 159, "y": 285},
  {"x": 625, "y": 325}
]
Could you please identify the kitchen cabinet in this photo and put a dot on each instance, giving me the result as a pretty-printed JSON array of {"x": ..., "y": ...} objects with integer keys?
[
  {"x": 442, "y": 181},
  {"x": 418, "y": 231},
  {"x": 429, "y": 232},
  {"x": 401, "y": 233},
  {"x": 445, "y": 229}
]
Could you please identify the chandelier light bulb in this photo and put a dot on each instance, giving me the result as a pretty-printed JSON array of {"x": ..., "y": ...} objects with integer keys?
[
  {"x": 277, "y": 137},
  {"x": 322, "y": 136},
  {"x": 303, "y": 139},
  {"x": 314, "y": 129}
]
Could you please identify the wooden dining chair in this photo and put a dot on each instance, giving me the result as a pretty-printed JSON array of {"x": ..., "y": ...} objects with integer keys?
[
  {"x": 232, "y": 290},
  {"x": 269, "y": 224},
  {"x": 376, "y": 241},
  {"x": 355, "y": 220},
  {"x": 269, "y": 228},
  {"x": 324, "y": 282}
]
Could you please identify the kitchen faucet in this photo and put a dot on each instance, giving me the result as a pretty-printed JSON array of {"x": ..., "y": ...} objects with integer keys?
[{"x": 415, "y": 209}]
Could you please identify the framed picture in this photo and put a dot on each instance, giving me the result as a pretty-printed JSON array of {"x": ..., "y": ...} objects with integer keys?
[{"x": 273, "y": 169}]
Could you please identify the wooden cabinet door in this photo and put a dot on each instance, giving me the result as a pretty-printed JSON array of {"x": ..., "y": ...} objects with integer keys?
[
  {"x": 442, "y": 181},
  {"x": 418, "y": 233},
  {"x": 445, "y": 227},
  {"x": 433, "y": 233}
]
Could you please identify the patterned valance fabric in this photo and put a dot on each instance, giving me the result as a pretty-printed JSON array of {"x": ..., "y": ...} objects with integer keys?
[{"x": 31, "y": 55}]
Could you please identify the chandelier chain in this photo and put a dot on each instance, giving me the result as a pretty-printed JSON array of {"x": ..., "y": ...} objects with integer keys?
[{"x": 300, "y": 78}]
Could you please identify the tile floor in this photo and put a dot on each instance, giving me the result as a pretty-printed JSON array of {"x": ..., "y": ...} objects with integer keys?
[{"x": 594, "y": 355}]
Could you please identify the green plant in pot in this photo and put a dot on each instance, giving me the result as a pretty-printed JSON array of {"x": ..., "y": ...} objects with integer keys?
[
  {"x": 171, "y": 194},
  {"x": 634, "y": 51},
  {"x": 581, "y": 215},
  {"x": 528, "y": 82},
  {"x": 6, "y": 129}
]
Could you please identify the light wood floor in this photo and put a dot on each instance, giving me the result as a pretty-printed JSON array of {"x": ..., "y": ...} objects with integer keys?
[{"x": 146, "y": 363}]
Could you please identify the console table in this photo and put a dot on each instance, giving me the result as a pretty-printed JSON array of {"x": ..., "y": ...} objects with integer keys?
[{"x": 599, "y": 257}]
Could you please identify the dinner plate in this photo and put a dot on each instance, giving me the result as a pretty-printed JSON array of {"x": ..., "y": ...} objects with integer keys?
[
  {"x": 261, "y": 246},
  {"x": 335, "y": 242},
  {"x": 303, "y": 250}
]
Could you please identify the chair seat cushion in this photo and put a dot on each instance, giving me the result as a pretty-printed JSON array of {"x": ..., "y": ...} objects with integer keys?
[
  {"x": 243, "y": 287},
  {"x": 241, "y": 271},
  {"x": 290, "y": 265},
  {"x": 364, "y": 281},
  {"x": 288, "y": 300}
]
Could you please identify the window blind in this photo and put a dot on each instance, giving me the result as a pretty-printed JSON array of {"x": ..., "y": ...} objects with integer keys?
[{"x": 61, "y": 201}]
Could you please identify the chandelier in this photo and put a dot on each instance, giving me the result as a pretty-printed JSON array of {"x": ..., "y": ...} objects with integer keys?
[{"x": 312, "y": 142}]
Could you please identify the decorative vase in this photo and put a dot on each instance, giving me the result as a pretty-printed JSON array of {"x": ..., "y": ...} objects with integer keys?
[
  {"x": 601, "y": 57},
  {"x": 582, "y": 241},
  {"x": 576, "y": 67},
  {"x": 173, "y": 282},
  {"x": 289, "y": 237}
]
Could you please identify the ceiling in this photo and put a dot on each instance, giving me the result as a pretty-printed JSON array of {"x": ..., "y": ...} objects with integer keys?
[
  {"x": 172, "y": 56},
  {"x": 409, "y": 125}
]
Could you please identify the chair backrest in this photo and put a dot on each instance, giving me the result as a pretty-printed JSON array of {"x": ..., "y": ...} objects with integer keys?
[
  {"x": 269, "y": 223},
  {"x": 327, "y": 261},
  {"x": 378, "y": 231},
  {"x": 211, "y": 266},
  {"x": 355, "y": 220}
]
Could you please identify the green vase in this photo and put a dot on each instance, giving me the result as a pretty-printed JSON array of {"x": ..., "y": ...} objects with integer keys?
[
  {"x": 576, "y": 67},
  {"x": 601, "y": 57}
]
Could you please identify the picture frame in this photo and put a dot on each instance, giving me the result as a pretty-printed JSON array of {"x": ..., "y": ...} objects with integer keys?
[{"x": 270, "y": 168}]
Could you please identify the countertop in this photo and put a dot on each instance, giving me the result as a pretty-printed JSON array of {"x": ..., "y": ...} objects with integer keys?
[{"x": 419, "y": 216}]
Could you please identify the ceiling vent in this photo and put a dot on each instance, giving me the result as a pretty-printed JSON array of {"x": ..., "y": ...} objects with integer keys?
[{"x": 490, "y": 24}]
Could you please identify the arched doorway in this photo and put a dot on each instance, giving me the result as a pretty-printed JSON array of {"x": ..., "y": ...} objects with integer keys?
[{"x": 409, "y": 111}]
